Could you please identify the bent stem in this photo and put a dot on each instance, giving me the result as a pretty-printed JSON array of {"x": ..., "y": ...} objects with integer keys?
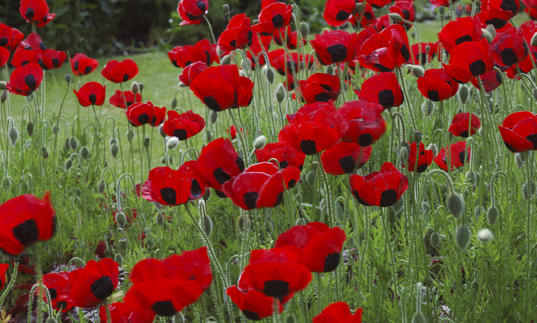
[{"x": 11, "y": 283}]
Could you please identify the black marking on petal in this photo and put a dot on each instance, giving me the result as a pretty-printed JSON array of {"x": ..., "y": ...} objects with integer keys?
[
  {"x": 163, "y": 308},
  {"x": 308, "y": 147},
  {"x": 221, "y": 176},
  {"x": 276, "y": 288},
  {"x": 180, "y": 134},
  {"x": 27, "y": 232},
  {"x": 168, "y": 195},
  {"x": 347, "y": 163},
  {"x": 102, "y": 287},
  {"x": 331, "y": 262},
  {"x": 388, "y": 197}
]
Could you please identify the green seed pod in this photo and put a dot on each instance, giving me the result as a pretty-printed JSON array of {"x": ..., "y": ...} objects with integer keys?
[
  {"x": 130, "y": 135},
  {"x": 485, "y": 235},
  {"x": 280, "y": 93},
  {"x": 30, "y": 128},
  {"x": 121, "y": 219},
  {"x": 147, "y": 141},
  {"x": 101, "y": 186},
  {"x": 492, "y": 214},
  {"x": 455, "y": 204},
  {"x": 434, "y": 239},
  {"x": 418, "y": 317},
  {"x": 84, "y": 152},
  {"x": 13, "y": 134},
  {"x": 462, "y": 236},
  {"x": 427, "y": 107},
  {"x": 304, "y": 28},
  {"x": 134, "y": 87},
  {"x": 260, "y": 142},
  {"x": 3, "y": 85},
  {"x": 114, "y": 149},
  {"x": 528, "y": 190},
  {"x": 213, "y": 116},
  {"x": 68, "y": 163},
  {"x": 44, "y": 152},
  {"x": 206, "y": 223},
  {"x": 73, "y": 143},
  {"x": 173, "y": 103},
  {"x": 172, "y": 142},
  {"x": 463, "y": 94}
]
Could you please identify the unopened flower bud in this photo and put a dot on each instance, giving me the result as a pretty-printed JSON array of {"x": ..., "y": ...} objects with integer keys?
[
  {"x": 44, "y": 152},
  {"x": 434, "y": 239},
  {"x": 260, "y": 142},
  {"x": 485, "y": 235},
  {"x": 487, "y": 35},
  {"x": 121, "y": 219},
  {"x": 492, "y": 30},
  {"x": 30, "y": 128},
  {"x": 130, "y": 134},
  {"x": 114, "y": 149},
  {"x": 73, "y": 143},
  {"x": 418, "y": 136},
  {"x": 134, "y": 87},
  {"x": 6, "y": 183},
  {"x": 101, "y": 186},
  {"x": 66, "y": 145},
  {"x": 417, "y": 70},
  {"x": 173, "y": 104},
  {"x": 304, "y": 28},
  {"x": 213, "y": 116},
  {"x": 55, "y": 129},
  {"x": 433, "y": 147},
  {"x": 462, "y": 236},
  {"x": 68, "y": 163},
  {"x": 3, "y": 97},
  {"x": 242, "y": 222},
  {"x": 206, "y": 223},
  {"x": 418, "y": 317},
  {"x": 455, "y": 204},
  {"x": 13, "y": 134},
  {"x": 269, "y": 73},
  {"x": 395, "y": 17},
  {"x": 3, "y": 85},
  {"x": 463, "y": 93},
  {"x": 84, "y": 152},
  {"x": 492, "y": 214},
  {"x": 280, "y": 93},
  {"x": 147, "y": 141},
  {"x": 472, "y": 178},
  {"x": 226, "y": 60},
  {"x": 172, "y": 142},
  {"x": 141, "y": 86},
  {"x": 68, "y": 78},
  {"x": 427, "y": 107}
]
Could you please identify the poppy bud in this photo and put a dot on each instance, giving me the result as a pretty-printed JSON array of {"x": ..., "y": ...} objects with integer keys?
[
  {"x": 172, "y": 142},
  {"x": 84, "y": 152},
  {"x": 260, "y": 142},
  {"x": 492, "y": 214},
  {"x": 528, "y": 190},
  {"x": 44, "y": 152},
  {"x": 141, "y": 86},
  {"x": 3, "y": 97},
  {"x": 214, "y": 116},
  {"x": 3, "y": 85},
  {"x": 147, "y": 141},
  {"x": 433, "y": 147},
  {"x": 68, "y": 78},
  {"x": 472, "y": 178},
  {"x": 398, "y": 207},
  {"x": 173, "y": 104},
  {"x": 66, "y": 145},
  {"x": 55, "y": 129},
  {"x": 418, "y": 317},
  {"x": 463, "y": 93},
  {"x": 161, "y": 131},
  {"x": 360, "y": 8},
  {"x": 30, "y": 128},
  {"x": 226, "y": 9},
  {"x": 485, "y": 235},
  {"x": 13, "y": 134},
  {"x": 68, "y": 163},
  {"x": 418, "y": 136},
  {"x": 73, "y": 143},
  {"x": 395, "y": 17},
  {"x": 519, "y": 160},
  {"x": 226, "y": 60},
  {"x": 242, "y": 222},
  {"x": 121, "y": 219},
  {"x": 130, "y": 135},
  {"x": 434, "y": 239},
  {"x": 417, "y": 70},
  {"x": 114, "y": 149},
  {"x": 6, "y": 183},
  {"x": 487, "y": 35},
  {"x": 462, "y": 236},
  {"x": 206, "y": 223},
  {"x": 330, "y": 70},
  {"x": 304, "y": 28},
  {"x": 101, "y": 186},
  {"x": 269, "y": 73},
  {"x": 209, "y": 136},
  {"x": 427, "y": 107},
  {"x": 455, "y": 204},
  {"x": 134, "y": 87},
  {"x": 492, "y": 30},
  {"x": 280, "y": 93},
  {"x": 291, "y": 319}
]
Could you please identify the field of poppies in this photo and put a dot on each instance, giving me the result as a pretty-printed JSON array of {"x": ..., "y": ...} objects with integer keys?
[{"x": 362, "y": 173}]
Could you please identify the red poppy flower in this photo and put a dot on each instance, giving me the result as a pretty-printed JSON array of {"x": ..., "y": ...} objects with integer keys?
[
  {"x": 460, "y": 154},
  {"x": 232, "y": 132},
  {"x": 285, "y": 36},
  {"x": 3, "y": 271},
  {"x": 509, "y": 47},
  {"x": 277, "y": 272},
  {"x": 139, "y": 114},
  {"x": 424, "y": 53},
  {"x": 531, "y": 12},
  {"x": 125, "y": 313},
  {"x": 119, "y": 99},
  {"x": 338, "y": 313},
  {"x": 253, "y": 304},
  {"x": 16, "y": 38},
  {"x": 53, "y": 59},
  {"x": 184, "y": 125},
  {"x": 344, "y": 158},
  {"x": 519, "y": 131},
  {"x": 5, "y": 35},
  {"x": 59, "y": 288},
  {"x": 119, "y": 72},
  {"x": 437, "y": 85},
  {"x": 496, "y": 17},
  {"x": 366, "y": 124},
  {"x": 92, "y": 284},
  {"x": 459, "y": 31},
  {"x": 83, "y": 65},
  {"x": 4, "y": 56},
  {"x": 469, "y": 59},
  {"x": 219, "y": 162},
  {"x": 191, "y": 265},
  {"x": 525, "y": 66},
  {"x": 26, "y": 220},
  {"x": 406, "y": 10},
  {"x": 317, "y": 244},
  {"x": 283, "y": 153},
  {"x": 377, "y": 4},
  {"x": 221, "y": 87},
  {"x": 335, "y": 46},
  {"x": 418, "y": 161},
  {"x": 191, "y": 71},
  {"x": 320, "y": 87},
  {"x": 490, "y": 80},
  {"x": 36, "y": 11},
  {"x": 382, "y": 188},
  {"x": 385, "y": 50},
  {"x": 238, "y": 34},
  {"x": 260, "y": 43},
  {"x": 337, "y": 12},
  {"x": 508, "y": 5},
  {"x": 25, "y": 79},
  {"x": 368, "y": 17},
  {"x": 462, "y": 122},
  {"x": 192, "y": 11},
  {"x": 261, "y": 185},
  {"x": 173, "y": 187},
  {"x": 91, "y": 93},
  {"x": 273, "y": 17},
  {"x": 383, "y": 89},
  {"x": 202, "y": 51},
  {"x": 287, "y": 64},
  {"x": 322, "y": 113}
]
